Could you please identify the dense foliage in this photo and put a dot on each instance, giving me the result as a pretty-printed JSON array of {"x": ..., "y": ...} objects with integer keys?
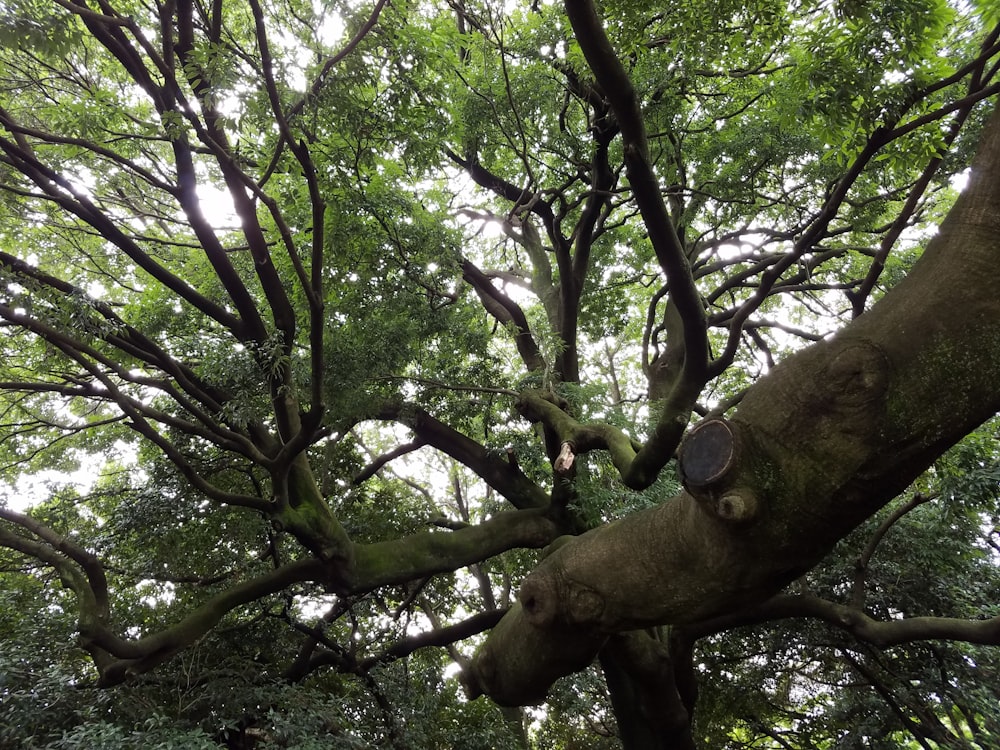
[{"x": 319, "y": 322}]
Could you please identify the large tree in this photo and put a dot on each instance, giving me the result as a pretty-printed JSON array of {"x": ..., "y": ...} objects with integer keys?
[{"x": 629, "y": 334}]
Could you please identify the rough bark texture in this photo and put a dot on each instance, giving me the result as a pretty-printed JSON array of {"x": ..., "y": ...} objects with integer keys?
[{"x": 820, "y": 444}]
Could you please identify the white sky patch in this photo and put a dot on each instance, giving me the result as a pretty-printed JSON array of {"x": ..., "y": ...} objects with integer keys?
[
  {"x": 31, "y": 489},
  {"x": 331, "y": 29},
  {"x": 314, "y": 607},
  {"x": 153, "y": 593},
  {"x": 25, "y": 490},
  {"x": 217, "y": 205},
  {"x": 296, "y": 76},
  {"x": 97, "y": 290},
  {"x": 492, "y": 229},
  {"x": 960, "y": 180},
  {"x": 83, "y": 182}
]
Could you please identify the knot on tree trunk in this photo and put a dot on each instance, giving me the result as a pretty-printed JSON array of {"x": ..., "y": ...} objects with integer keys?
[
  {"x": 549, "y": 599},
  {"x": 858, "y": 376}
]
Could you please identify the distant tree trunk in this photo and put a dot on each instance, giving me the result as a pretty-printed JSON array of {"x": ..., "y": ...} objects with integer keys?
[{"x": 650, "y": 710}]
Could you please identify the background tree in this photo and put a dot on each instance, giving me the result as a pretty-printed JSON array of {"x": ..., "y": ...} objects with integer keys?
[{"x": 320, "y": 323}]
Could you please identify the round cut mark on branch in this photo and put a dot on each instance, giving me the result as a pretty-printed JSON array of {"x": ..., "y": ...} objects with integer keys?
[
  {"x": 711, "y": 459},
  {"x": 709, "y": 454}
]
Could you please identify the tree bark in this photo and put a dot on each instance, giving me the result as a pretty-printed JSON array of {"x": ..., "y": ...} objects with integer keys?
[
  {"x": 650, "y": 709},
  {"x": 817, "y": 446}
]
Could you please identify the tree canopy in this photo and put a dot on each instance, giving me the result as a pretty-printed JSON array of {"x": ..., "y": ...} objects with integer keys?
[{"x": 631, "y": 365}]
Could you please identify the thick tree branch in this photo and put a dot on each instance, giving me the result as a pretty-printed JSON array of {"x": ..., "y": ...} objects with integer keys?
[
  {"x": 317, "y": 204},
  {"x": 618, "y": 89},
  {"x": 286, "y": 408},
  {"x": 677, "y": 406},
  {"x": 772, "y": 491},
  {"x": 187, "y": 196},
  {"x": 83, "y": 573},
  {"x": 57, "y": 550},
  {"x": 139, "y": 656},
  {"x": 443, "y": 636},
  {"x": 573, "y": 275},
  {"x": 537, "y": 406},
  {"x": 375, "y": 466},
  {"x": 507, "y": 190},
  {"x": 430, "y": 552},
  {"x": 648, "y": 705}
]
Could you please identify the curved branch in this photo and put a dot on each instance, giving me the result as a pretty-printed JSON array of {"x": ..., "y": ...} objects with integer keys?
[
  {"x": 507, "y": 312},
  {"x": 861, "y": 566},
  {"x": 347, "y": 49},
  {"x": 127, "y": 338},
  {"x": 376, "y": 466},
  {"x": 587, "y": 229},
  {"x": 902, "y": 712},
  {"x": 617, "y": 87},
  {"x": 301, "y": 152},
  {"x": 216, "y": 138},
  {"x": 443, "y": 636},
  {"x": 506, "y": 190},
  {"x": 881, "y": 633},
  {"x": 57, "y": 551},
  {"x": 577, "y": 438},
  {"x": 142, "y": 655},
  {"x": 128, "y": 164}
]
